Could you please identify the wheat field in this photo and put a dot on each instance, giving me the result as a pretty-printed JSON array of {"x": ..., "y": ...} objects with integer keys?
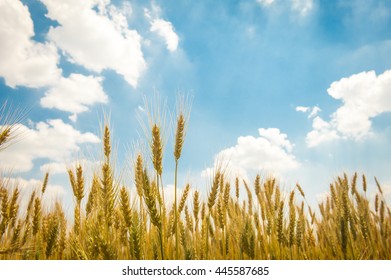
[{"x": 261, "y": 223}]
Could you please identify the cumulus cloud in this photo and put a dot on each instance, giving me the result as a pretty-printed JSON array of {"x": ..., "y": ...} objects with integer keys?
[
  {"x": 24, "y": 62},
  {"x": 74, "y": 94},
  {"x": 364, "y": 96},
  {"x": 53, "y": 140},
  {"x": 271, "y": 151},
  {"x": 276, "y": 138},
  {"x": 28, "y": 63},
  {"x": 322, "y": 132},
  {"x": 94, "y": 34}
]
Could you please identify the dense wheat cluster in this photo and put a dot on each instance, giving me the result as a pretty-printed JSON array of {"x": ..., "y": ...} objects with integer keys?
[{"x": 262, "y": 223}]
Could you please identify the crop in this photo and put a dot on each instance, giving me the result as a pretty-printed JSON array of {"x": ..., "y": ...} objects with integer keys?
[{"x": 265, "y": 222}]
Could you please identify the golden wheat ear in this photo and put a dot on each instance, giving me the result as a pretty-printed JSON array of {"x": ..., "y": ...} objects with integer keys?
[
  {"x": 183, "y": 111},
  {"x": 10, "y": 125},
  {"x": 125, "y": 206}
]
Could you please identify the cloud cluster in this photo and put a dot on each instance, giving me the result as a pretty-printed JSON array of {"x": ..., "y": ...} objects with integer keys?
[
  {"x": 23, "y": 61},
  {"x": 53, "y": 140},
  {"x": 271, "y": 151},
  {"x": 364, "y": 96},
  {"x": 92, "y": 33},
  {"x": 97, "y": 40}
]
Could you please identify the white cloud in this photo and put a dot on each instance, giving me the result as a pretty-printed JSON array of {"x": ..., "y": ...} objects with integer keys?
[
  {"x": 32, "y": 64},
  {"x": 23, "y": 61},
  {"x": 53, "y": 140},
  {"x": 126, "y": 9},
  {"x": 320, "y": 124},
  {"x": 97, "y": 40},
  {"x": 54, "y": 167},
  {"x": 364, "y": 96},
  {"x": 74, "y": 94},
  {"x": 303, "y": 7},
  {"x": 52, "y": 193},
  {"x": 302, "y": 109},
  {"x": 61, "y": 167},
  {"x": 322, "y": 132},
  {"x": 165, "y": 30},
  {"x": 276, "y": 138},
  {"x": 271, "y": 152},
  {"x": 265, "y": 2},
  {"x": 313, "y": 111},
  {"x": 161, "y": 27},
  {"x": 141, "y": 108},
  {"x": 118, "y": 16}
]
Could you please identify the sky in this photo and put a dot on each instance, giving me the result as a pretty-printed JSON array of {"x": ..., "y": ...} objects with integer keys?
[{"x": 300, "y": 89}]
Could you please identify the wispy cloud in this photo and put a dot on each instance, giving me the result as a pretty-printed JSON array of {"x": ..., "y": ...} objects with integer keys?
[
  {"x": 165, "y": 30},
  {"x": 162, "y": 27},
  {"x": 302, "y": 7},
  {"x": 265, "y": 2},
  {"x": 312, "y": 111},
  {"x": 298, "y": 7}
]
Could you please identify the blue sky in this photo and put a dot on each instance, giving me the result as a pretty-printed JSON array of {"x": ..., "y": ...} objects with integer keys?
[{"x": 299, "y": 88}]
